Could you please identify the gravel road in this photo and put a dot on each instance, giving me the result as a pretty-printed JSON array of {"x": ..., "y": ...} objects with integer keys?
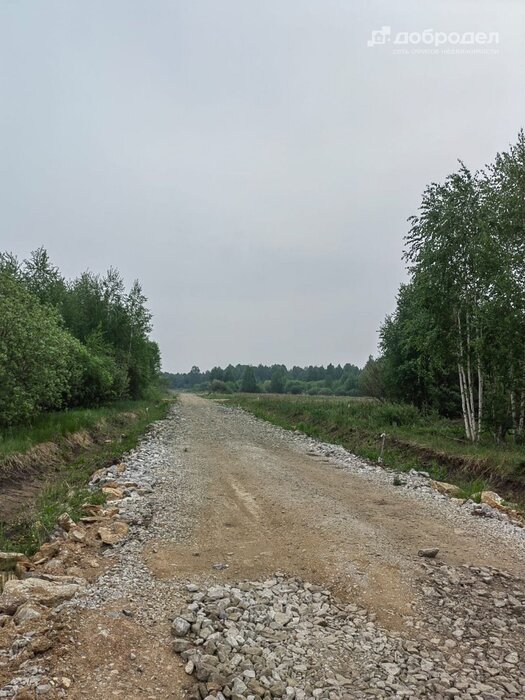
[{"x": 262, "y": 564}]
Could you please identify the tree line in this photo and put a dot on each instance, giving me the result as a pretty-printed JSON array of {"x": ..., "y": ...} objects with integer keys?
[
  {"x": 456, "y": 341},
  {"x": 68, "y": 343},
  {"x": 330, "y": 380}
]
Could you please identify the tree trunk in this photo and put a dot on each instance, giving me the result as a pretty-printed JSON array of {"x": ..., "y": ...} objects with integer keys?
[
  {"x": 470, "y": 394},
  {"x": 467, "y": 415},
  {"x": 513, "y": 410},
  {"x": 465, "y": 385},
  {"x": 480, "y": 401},
  {"x": 461, "y": 374},
  {"x": 521, "y": 424}
]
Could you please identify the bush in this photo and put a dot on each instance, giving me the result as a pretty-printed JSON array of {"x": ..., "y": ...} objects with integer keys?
[
  {"x": 219, "y": 387},
  {"x": 101, "y": 380},
  {"x": 292, "y": 387}
]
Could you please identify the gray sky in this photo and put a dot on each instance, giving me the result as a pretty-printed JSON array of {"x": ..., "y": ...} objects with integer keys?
[{"x": 253, "y": 163}]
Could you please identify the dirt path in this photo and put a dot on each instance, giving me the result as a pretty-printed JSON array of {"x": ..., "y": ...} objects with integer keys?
[
  {"x": 271, "y": 507},
  {"x": 236, "y": 499}
]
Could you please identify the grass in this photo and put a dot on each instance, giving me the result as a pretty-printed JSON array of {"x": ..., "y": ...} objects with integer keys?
[
  {"x": 473, "y": 490},
  {"x": 413, "y": 440},
  {"x": 47, "y": 427},
  {"x": 67, "y": 487}
]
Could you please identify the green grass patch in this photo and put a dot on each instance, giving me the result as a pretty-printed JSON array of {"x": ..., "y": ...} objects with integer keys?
[
  {"x": 472, "y": 489},
  {"x": 67, "y": 487},
  {"x": 48, "y": 427},
  {"x": 422, "y": 442}
]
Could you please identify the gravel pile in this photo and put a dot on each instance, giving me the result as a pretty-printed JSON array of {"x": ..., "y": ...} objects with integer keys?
[
  {"x": 161, "y": 508},
  {"x": 285, "y": 638}
]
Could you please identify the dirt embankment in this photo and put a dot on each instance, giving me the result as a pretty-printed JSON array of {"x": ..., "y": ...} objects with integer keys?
[
  {"x": 510, "y": 484},
  {"x": 23, "y": 475}
]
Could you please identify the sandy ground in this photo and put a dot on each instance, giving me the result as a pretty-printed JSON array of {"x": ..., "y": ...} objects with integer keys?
[{"x": 257, "y": 502}]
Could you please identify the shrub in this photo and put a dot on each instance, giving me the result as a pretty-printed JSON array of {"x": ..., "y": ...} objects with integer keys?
[
  {"x": 220, "y": 387},
  {"x": 294, "y": 387}
]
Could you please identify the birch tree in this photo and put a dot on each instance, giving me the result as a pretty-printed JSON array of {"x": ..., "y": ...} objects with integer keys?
[
  {"x": 465, "y": 303},
  {"x": 447, "y": 250},
  {"x": 505, "y": 187}
]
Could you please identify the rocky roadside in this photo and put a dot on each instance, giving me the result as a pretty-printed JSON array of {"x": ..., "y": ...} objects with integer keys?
[
  {"x": 279, "y": 637},
  {"x": 36, "y": 591},
  {"x": 40, "y": 592}
]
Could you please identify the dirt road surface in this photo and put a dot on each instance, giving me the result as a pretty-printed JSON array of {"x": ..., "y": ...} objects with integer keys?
[{"x": 234, "y": 499}]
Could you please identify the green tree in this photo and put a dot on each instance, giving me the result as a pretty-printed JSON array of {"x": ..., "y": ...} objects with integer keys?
[
  {"x": 371, "y": 379},
  {"x": 418, "y": 366},
  {"x": 102, "y": 331},
  {"x": 277, "y": 381},
  {"x": 36, "y": 354},
  {"x": 248, "y": 382},
  {"x": 43, "y": 279},
  {"x": 229, "y": 374},
  {"x": 463, "y": 310},
  {"x": 217, "y": 373}
]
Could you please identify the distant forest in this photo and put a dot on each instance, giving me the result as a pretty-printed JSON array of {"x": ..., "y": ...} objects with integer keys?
[{"x": 277, "y": 379}]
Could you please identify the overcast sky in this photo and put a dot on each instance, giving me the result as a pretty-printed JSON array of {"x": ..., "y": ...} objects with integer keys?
[{"x": 253, "y": 163}]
